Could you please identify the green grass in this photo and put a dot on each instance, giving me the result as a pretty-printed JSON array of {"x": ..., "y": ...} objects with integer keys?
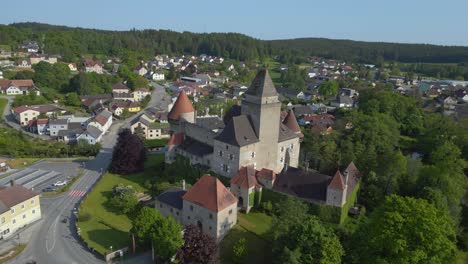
[
  {"x": 105, "y": 228},
  {"x": 156, "y": 143},
  {"x": 3, "y": 103},
  {"x": 462, "y": 257},
  {"x": 21, "y": 162},
  {"x": 12, "y": 253},
  {"x": 253, "y": 227}
]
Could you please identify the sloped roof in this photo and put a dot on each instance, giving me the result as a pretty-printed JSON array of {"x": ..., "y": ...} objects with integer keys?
[
  {"x": 262, "y": 85},
  {"x": 182, "y": 105},
  {"x": 40, "y": 108},
  {"x": 176, "y": 139},
  {"x": 305, "y": 184},
  {"x": 119, "y": 86},
  {"x": 337, "y": 181},
  {"x": 267, "y": 174},
  {"x": 291, "y": 122},
  {"x": 210, "y": 193},
  {"x": 13, "y": 195},
  {"x": 285, "y": 133},
  {"x": 238, "y": 132},
  {"x": 245, "y": 178},
  {"x": 172, "y": 197}
]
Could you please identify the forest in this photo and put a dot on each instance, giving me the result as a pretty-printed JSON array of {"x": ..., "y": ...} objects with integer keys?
[{"x": 74, "y": 42}]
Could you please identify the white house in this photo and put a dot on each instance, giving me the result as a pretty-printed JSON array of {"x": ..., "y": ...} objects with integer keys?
[{"x": 102, "y": 121}]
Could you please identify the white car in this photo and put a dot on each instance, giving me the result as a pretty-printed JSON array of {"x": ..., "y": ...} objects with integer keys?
[{"x": 60, "y": 183}]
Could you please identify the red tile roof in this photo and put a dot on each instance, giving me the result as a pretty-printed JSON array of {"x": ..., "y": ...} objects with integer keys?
[
  {"x": 210, "y": 193},
  {"x": 102, "y": 120},
  {"x": 176, "y": 139},
  {"x": 182, "y": 105},
  {"x": 245, "y": 178},
  {"x": 337, "y": 181},
  {"x": 267, "y": 174}
]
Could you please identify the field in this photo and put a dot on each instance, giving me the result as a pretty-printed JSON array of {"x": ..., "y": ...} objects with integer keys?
[
  {"x": 3, "y": 103},
  {"x": 101, "y": 227},
  {"x": 254, "y": 228}
]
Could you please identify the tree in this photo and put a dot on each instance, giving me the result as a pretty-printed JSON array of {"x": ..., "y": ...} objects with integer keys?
[
  {"x": 198, "y": 247},
  {"x": 405, "y": 230},
  {"x": 129, "y": 154},
  {"x": 166, "y": 235},
  {"x": 143, "y": 224},
  {"x": 72, "y": 99},
  {"x": 123, "y": 198},
  {"x": 328, "y": 88},
  {"x": 239, "y": 250}
]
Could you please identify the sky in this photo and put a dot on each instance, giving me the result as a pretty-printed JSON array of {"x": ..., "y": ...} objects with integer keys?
[{"x": 405, "y": 21}]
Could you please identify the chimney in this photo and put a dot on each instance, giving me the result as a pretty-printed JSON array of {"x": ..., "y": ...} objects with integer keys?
[
  {"x": 12, "y": 182},
  {"x": 183, "y": 185}
]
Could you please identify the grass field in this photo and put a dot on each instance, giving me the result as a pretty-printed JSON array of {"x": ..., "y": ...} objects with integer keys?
[
  {"x": 3, "y": 103},
  {"x": 101, "y": 227},
  {"x": 253, "y": 227},
  {"x": 21, "y": 162}
]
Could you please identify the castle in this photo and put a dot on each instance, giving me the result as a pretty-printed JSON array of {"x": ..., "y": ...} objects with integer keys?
[{"x": 255, "y": 149}]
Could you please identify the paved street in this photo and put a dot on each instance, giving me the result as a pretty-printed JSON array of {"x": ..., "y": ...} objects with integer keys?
[{"x": 53, "y": 241}]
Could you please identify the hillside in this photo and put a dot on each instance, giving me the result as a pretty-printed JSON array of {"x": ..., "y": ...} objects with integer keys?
[
  {"x": 74, "y": 42},
  {"x": 371, "y": 52}
]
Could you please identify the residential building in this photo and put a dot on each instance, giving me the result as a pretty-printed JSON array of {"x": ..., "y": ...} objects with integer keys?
[
  {"x": 18, "y": 87},
  {"x": 72, "y": 67},
  {"x": 208, "y": 205},
  {"x": 24, "y": 114},
  {"x": 140, "y": 94},
  {"x": 36, "y": 58},
  {"x": 149, "y": 127},
  {"x": 119, "y": 88},
  {"x": 3, "y": 165},
  {"x": 92, "y": 65},
  {"x": 19, "y": 207},
  {"x": 30, "y": 46},
  {"x": 140, "y": 70},
  {"x": 103, "y": 121}
]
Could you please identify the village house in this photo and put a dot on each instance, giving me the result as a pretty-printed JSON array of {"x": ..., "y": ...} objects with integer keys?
[
  {"x": 140, "y": 70},
  {"x": 3, "y": 165},
  {"x": 23, "y": 63},
  {"x": 208, "y": 205},
  {"x": 72, "y": 67},
  {"x": 120, "y": 88},
  {"x": 140, "y": 94},
  {"x": 24, "y": 114},
  {"x": 30, "y": 46},
  {"x": 92, "y": 65},
  {"x": 117, "y": 107},
  {"x": 102, "y": 121},
  {"x": 18, "y": 87},
  {"x": 19, "y": 207},
  {"x": 149, "y": 127},
  {"x": 36, "y": 58}
]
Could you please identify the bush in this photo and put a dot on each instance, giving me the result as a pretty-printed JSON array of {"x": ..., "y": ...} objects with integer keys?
[
  {"x": 124, "y": 198},
  {"x": 84, "y": 217},
  {"x": 267, "y": 207}
]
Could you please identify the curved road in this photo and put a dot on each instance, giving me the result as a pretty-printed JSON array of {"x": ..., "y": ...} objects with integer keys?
[{"x": 56, "y": 242}]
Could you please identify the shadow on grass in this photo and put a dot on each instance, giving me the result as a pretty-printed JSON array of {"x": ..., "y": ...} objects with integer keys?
[
  {"x": 258, "y": 249},
  {"x": 109, "y": 237}
]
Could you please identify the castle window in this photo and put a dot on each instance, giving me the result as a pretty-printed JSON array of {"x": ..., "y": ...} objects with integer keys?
[
  {"x": 231, "y": 157},
  {"x": 292, "y": 146},
  {"x": 282, "y": 149},
  {"x": 227, "y": 147},
  {"x": 211, "y": 216},
  {"x": 220, "y": 153},
  {"x": 281, "y": 160},
  {"x": 252, "y": 154},
  {"x": 188, "y": 217},
  {"x": 230, "y": 211},
  {"x": 191, "y": 208},
  {"x": 225, "y": 168}
]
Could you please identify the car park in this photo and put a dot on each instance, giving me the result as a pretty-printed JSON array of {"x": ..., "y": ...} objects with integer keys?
[
  {"x": 60, "y": 183},
  {"x": 49, "y": 189}
]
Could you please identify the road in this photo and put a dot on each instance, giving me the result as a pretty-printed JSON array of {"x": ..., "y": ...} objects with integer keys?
[{"x": 56, "y": 242}]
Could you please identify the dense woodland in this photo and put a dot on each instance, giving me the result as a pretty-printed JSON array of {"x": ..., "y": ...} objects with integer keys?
[{"x": 74, "y": 42}]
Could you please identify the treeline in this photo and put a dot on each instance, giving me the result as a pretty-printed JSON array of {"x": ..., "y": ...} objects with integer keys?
[
  {"x": 73, "y": 42},
  {"x": 369, "y": 52}
]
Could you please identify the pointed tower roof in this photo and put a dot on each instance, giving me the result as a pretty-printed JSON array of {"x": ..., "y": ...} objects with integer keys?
[
  {"x": 262, "y": 85},
  {"x": 181, "y": 106},
  {"x": 245, "y": 178},
  {"x": 210, "y": 193},
  {"x": 337, "y": 181},
  {"x": 291, "y": 122}
]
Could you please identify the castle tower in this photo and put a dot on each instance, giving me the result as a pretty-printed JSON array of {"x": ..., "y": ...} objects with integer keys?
[
  {"x": 337, "y": 190},
  {"x": 291, "y": 122},
  {"x": 182, "y": 111},
  {"x": 262, "y": 106}
]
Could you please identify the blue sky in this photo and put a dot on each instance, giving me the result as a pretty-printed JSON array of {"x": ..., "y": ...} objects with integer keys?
[{"x": 410, "y": 21}]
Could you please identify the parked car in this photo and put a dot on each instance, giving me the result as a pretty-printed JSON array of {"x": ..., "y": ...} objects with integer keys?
[
  {"x": 60, "y": 183},
  {"x": 49, "y": 189}
]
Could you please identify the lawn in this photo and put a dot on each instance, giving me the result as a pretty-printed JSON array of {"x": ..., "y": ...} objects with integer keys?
[
  {"x": 3, "y": 103},
  {"x": 156, "y": 143},
  {"x": 253, "y": 227},
  {"x": 21, "y": 162},
  {"x": 101, "y": 227}
]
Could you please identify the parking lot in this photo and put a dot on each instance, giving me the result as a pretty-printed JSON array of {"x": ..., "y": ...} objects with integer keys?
[{"x": 43, "y": 174}]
